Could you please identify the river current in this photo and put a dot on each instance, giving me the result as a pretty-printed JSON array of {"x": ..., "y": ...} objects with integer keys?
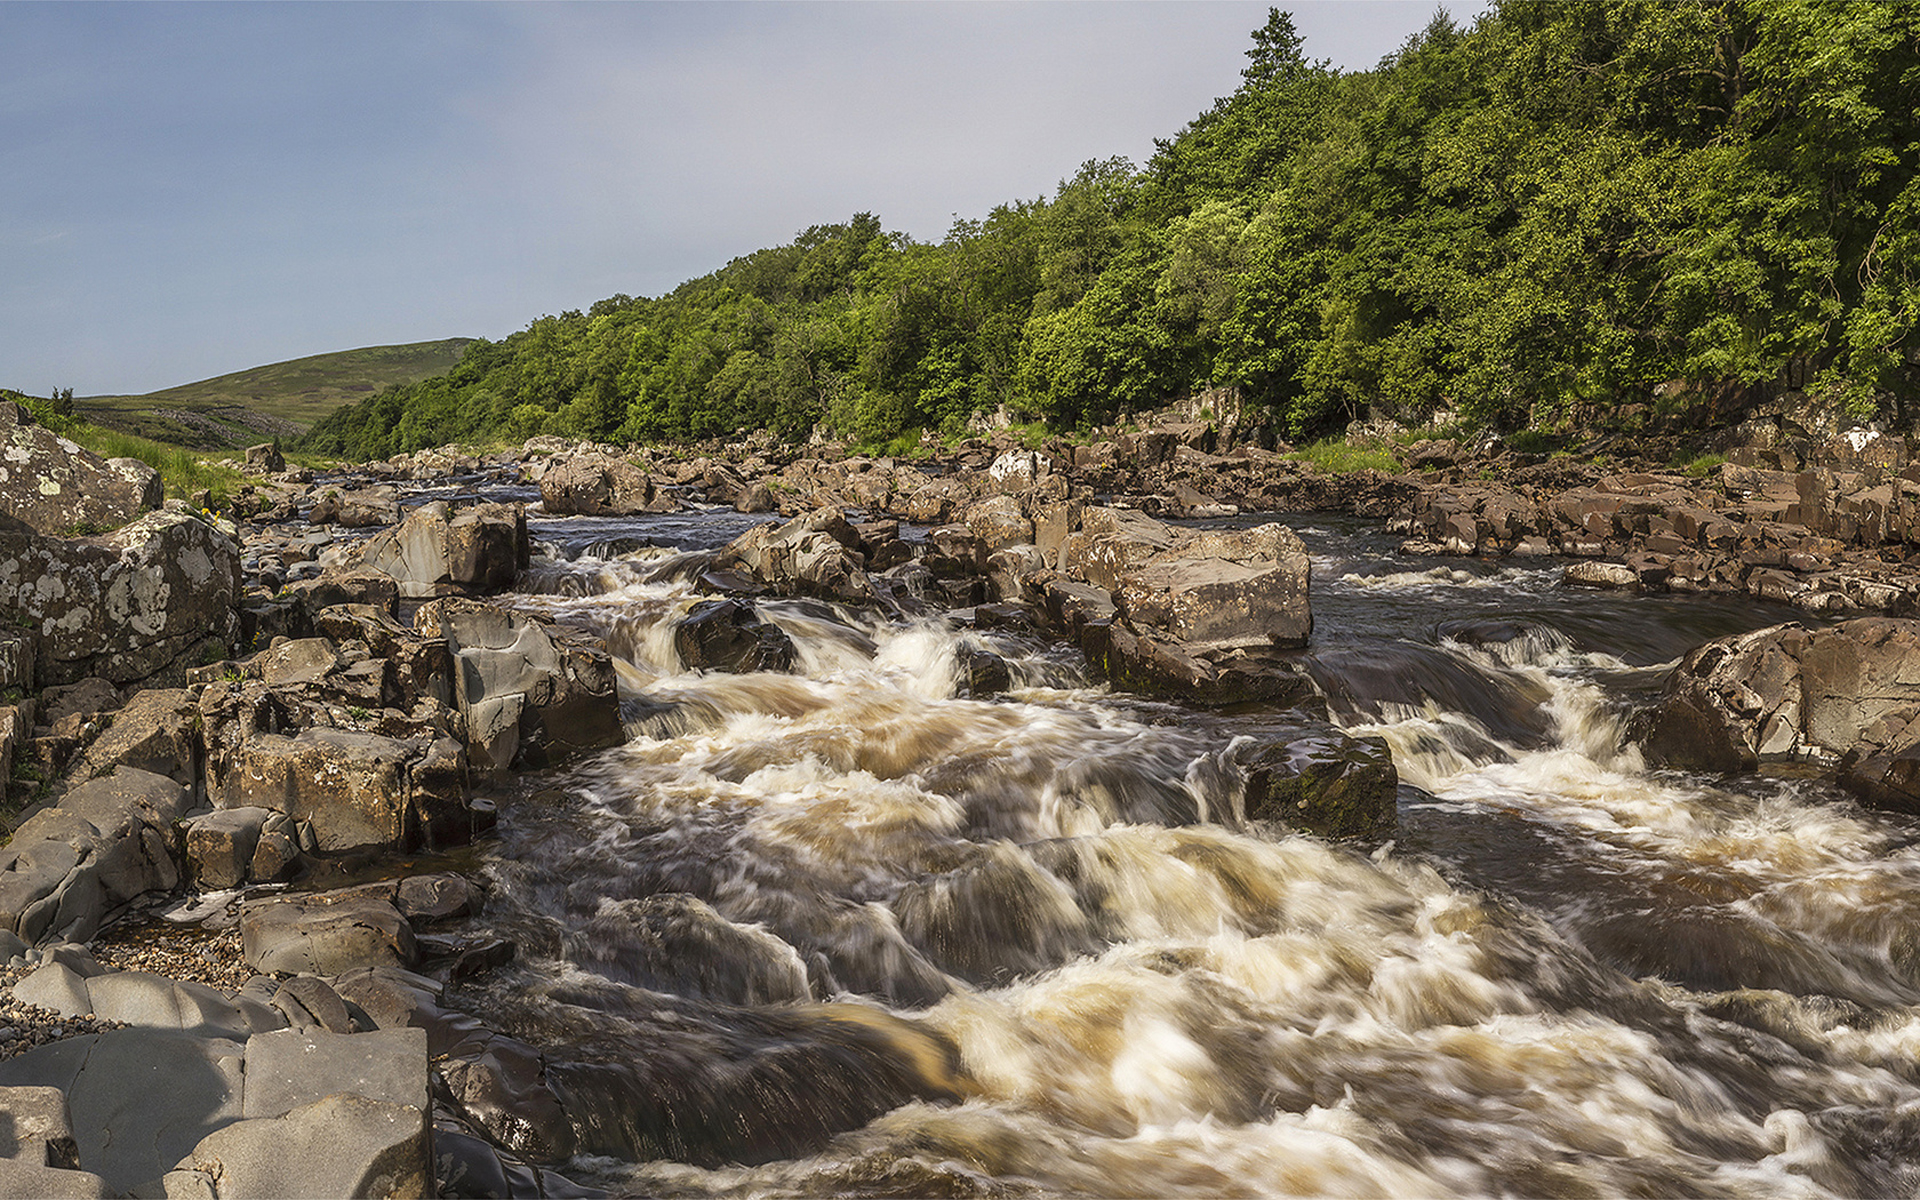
[{"x": 849, "y": 931}]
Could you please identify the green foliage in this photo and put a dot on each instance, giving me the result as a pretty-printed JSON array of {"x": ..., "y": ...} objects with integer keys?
[
  {"x": 1335, "y": 456},
  {"x": 1542, "y": 221}
]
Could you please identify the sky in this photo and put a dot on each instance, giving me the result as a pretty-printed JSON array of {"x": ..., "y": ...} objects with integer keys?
[{"x": 191, "y": 189}]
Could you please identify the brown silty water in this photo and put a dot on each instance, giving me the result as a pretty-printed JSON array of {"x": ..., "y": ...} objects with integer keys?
[{"x": 845, "y": 931}]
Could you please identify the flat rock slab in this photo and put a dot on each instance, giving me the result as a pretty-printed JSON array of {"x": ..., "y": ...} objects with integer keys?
[
  {"x": 140, "y": 1098},
  {"x": 31, "y": 1181},
  {"x": 290, "y": 1068},
  {"x": 341, "y": 1146}
]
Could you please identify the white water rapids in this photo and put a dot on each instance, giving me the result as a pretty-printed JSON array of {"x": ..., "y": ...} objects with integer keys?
[{"x": 867, "y": 937}]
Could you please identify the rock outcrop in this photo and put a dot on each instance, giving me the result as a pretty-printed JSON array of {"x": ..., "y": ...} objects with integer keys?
[
  {"x": 49, "y": 485},
  {"x": 139, "y": 605},
  {"x": 1847, "y": 697}
]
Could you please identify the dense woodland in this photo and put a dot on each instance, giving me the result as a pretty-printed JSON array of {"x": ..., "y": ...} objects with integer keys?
[{"x": 1571, "y": 214}]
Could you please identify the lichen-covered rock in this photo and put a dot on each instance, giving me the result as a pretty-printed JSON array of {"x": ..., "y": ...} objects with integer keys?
[
  {"x": 141, "y": 604},
  {"x": 50, "y": 485},
  {"x": 352, "y": 789}
]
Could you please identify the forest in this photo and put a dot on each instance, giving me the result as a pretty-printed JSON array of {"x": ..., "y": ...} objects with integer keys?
[{"x": 1590, "y": 213}]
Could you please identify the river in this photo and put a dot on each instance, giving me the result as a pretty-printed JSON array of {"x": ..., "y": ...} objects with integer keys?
[{"x": 848, "y": 931}]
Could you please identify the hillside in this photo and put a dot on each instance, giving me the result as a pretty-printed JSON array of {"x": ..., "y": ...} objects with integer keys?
[
  {"x": 1596, "y": 215},
  {"x": 281, "y": 399}
]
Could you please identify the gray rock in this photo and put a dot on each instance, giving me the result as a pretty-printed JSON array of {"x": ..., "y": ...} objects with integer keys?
[
  {"x": 57, "y": 987},
  {"x": 140, "y": 1098},
  {"x": 520, "y": 691},
  {"x": 265, "y": 459},
  {"x": 154, "y": 732},
  {"x": 221, "y": 845},
  {"x": 141, "y": 604},
  {"x": 154, "y": 1001},
  {"x": 481, "y": 548},
  {"x": 356, "y": 508},
  {"x": 37, "y": 1129},
  {"x": 33, "y": 1181},
  {"x": 53, "y": 486},
  {"x": 325, "y": 934},
  {"x": 292, "y": 1067},
  {"x": 424, "y": 899},
  {"x": 308, "y": 1002},
  {"x": 345, "y": 1146}
]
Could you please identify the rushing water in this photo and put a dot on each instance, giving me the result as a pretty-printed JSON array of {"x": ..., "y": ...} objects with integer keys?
[{"x": 845, "y": 931}]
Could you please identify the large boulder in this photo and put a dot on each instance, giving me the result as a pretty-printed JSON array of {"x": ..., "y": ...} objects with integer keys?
[
  {"x": 728, "y": 635},
  {"x": 439, "y": 550},
  {"x": 141, "y": 604},
  {"x": 351, "y": 789},
  {"x": 815, "y": 555},
  {"x": 50, "y": 485},
  {"x": 1326, "y": 782},
  {"x": 523, "y": 694},
  {"x": 1847, "y": 697},
  {"x": 601, "y": 485},
  {"x": 67, "y": 868}
]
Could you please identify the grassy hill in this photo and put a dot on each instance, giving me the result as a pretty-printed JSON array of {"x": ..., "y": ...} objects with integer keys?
[{"x": 280, "y": 399}]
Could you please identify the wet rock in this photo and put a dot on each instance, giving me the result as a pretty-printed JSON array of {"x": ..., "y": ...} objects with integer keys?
[
  {"x": 424, "y": 899},
  {"x": 1328, "y": 783},
  {"x": 677, "y": 943},
  {"x": 138, "y": 605},
  {"x": 729, "y": 635},
  {"x": 1151, "y": 666},
  {"x": 49, "y": 485},
  {"x": 522, "y": 694}
]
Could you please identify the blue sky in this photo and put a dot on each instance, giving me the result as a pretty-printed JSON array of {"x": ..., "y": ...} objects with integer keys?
[{"x": 190, "y": 189}]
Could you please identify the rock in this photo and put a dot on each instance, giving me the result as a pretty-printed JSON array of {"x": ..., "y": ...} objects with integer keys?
[
  {"x": 352, "y": 789},
  {"x": 522, "y": 695},
  {"x": 83, "y": 698},
  {"x": 33, "y": 1181},
  {"x": 172, "y": 1088},
  {"x": 141, "y": 604},
  {"x": 998, "y": 521},
  {"x": 154, "y": 1001},
  {"x": 756, "y": 498},
  {"x": 728, "y": 635},
  {"x": 424, "y": 899},
  {"x": 51, "y": 486},
  {"x": 1328, "y": 783},
  {"x": 478, "y": 549},
  {"x": 67, "y": 867},
  {"x": 812, "y": 555},
  {"x": 1017, "y": 470},
  {"x": 38, "y": 1129},
  {"x": 1217, "y": 602},
  {"x": 343, "y": 1146},
  {"x": 1847, "y": 696},
  {"x": 265, "y": 459},
  {"x": 155, "y": 732},
  {"x": 371, "y": 588},
  {"x": 1153, "y": 667},
  {"x": 1110, "y": 541},
  {"x": 221, "y": 845},
  {"x": 327, "y": 933},
  {"x": 599, "y": 485},
  {"x": 357, "y": 508},
  {"x": 293, "y": 1067}
]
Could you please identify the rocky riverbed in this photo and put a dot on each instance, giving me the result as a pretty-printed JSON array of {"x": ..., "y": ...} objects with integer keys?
[{"x": 276, "y": 722}]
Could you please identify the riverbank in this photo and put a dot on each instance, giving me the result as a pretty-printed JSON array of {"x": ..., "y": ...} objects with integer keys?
[{"x": 414, "y": 644}]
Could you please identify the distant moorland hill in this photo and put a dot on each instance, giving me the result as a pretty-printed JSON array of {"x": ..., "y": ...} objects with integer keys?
[{"x": 281, "y": 399}]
